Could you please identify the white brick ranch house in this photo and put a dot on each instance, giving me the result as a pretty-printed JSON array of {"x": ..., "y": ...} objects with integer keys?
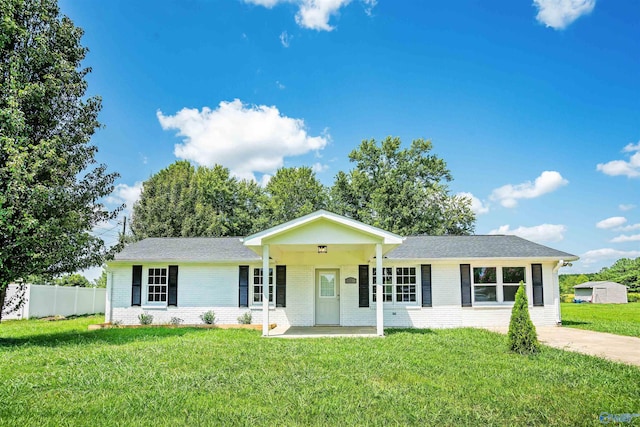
[{"x": 323, "y": 270}]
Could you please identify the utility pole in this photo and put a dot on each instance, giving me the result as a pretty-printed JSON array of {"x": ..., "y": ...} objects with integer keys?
[{"x": 124, "y": 229}]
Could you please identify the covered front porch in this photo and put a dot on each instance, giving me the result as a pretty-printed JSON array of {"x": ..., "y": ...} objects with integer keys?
[{"x": 325, "y": 243}]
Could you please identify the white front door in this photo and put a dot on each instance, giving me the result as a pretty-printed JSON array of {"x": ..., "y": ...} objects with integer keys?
[{"x": 327, "y": 297}]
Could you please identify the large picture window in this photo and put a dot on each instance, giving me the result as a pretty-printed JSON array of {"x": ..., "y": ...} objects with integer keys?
[
  {"x": 257, "y": 285},
  {"x": 157, "y": 285},
  {"x": 493, "y": 284}
]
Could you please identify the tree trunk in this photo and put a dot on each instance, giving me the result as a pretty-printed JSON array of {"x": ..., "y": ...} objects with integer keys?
[{"x": 3, "y": 294}]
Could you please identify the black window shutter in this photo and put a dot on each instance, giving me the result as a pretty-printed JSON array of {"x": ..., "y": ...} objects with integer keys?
[
  {"x": 425, "y": 273},
  {"x": 281, "y": 285},
  {"x": 243, "y": 285},
  {"x": 465, "y": 284},
  {"x": 173, "y": 285},
  {"x": 136, "y": 285},
  {"x": 363, "y": 286},
  {"x": 538, "y": 296}
]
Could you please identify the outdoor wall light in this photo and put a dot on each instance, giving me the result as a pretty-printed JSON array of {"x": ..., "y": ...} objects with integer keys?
[{"x": 322, "y": 249}]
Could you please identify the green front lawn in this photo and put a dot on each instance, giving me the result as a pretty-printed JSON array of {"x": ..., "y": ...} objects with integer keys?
[
  {"x": 58, "y": 373},
  {"x": 620, "y": 319}
]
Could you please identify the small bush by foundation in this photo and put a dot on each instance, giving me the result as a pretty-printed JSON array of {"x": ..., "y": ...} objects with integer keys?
[{"x": 522, "y": 333}]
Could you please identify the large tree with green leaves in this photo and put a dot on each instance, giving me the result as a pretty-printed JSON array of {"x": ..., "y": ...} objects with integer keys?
[
  {"x": 403, "y": 190},
  {"x": 184, "y": 201},
  {"x": 625, "y": 271},
  {"x": 50, "y": 187},
  {"x": 292, "y": 193}
]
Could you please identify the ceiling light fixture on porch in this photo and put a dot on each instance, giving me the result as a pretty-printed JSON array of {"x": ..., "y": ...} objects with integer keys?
[{"x": 322, "y": 249}]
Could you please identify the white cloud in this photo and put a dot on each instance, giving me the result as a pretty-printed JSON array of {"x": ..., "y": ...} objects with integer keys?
[
  {"x": 630, "y": 169},
  {"x": 624, "y": 238},
  {"x": 245, "y": 138},
  {"x": 606, "y": 254},
  {"x": 614, "y": 221},
  {"x": 319, "y": 167},
  {"x": 266, "y": 3},
  {"x": 631, "y": 147},
  {"x": 127, "y": 194},
  {"x": 369, "y": 5},
  {"x": 315, "y": 14},
  {"x": 625, "y": 208},
  {"x": 538, "y": 233},
  {"x": 477, "y": 206},
  {"x": 285, "y": 39},
  {"x": 280, "y": 85},
  {"x": 630, "y": 227},
  {"x": 547, "y": 182},
  {"x": 558, "y": 14}
]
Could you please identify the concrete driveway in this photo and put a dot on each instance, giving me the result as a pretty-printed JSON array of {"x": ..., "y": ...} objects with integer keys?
[{"x": 608, "y": 346}]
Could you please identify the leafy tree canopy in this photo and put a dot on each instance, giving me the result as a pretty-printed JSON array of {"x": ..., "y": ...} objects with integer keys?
[
  {"x": 292, "y": 193},
  {"x": 401, "y": 190},
  {"x": 182, "y": 200},
  {"x": 625, "y": 271},
  {"x": 49, "y": 184}
]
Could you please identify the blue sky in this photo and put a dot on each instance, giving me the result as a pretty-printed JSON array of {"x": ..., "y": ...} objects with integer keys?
[{"x": 535, "y": 105}]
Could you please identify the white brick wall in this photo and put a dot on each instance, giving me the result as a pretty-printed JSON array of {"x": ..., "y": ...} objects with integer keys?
[{"x": 215, "y": 287}]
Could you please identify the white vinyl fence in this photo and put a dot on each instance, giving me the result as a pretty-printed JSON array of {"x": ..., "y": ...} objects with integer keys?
[{"x": 43, "y": 301}]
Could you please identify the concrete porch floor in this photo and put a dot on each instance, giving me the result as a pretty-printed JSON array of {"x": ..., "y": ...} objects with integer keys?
[{"x": 322, "y": 331}]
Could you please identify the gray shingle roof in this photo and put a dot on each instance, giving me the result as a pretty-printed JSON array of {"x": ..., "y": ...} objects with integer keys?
[
  {"x": 589, "y": 285},
  {"x": 476, "y": 246},
  {"x": 221, "y": 249},
  {"x": 197, "y": 249}
]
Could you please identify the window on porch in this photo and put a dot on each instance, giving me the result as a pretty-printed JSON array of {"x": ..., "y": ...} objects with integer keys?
[
  {"x": 257, "y": 285},
  {"x": 399, "y": 285}
]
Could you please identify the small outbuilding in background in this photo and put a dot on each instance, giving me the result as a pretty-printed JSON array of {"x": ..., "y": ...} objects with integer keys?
[{"x": 601, "y": 293}]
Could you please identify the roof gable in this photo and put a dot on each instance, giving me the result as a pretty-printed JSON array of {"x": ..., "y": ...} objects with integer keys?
[{"x": 323, "y": 227}]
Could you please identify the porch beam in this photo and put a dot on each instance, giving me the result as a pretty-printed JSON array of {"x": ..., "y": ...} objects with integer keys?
[
  {"x": 265, "y": 290},
  {"x": 379, "y": 292}
]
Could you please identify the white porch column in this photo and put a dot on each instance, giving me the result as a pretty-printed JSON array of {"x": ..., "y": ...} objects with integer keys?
[
  {"x": 379, "y": 292},
  {"x": 265, "y": 290}
]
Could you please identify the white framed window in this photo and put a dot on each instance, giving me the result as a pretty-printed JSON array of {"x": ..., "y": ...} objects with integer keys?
[
  {"x": 387, "y": 284},
  {"x": 511, "y": 278},
  {"x": 257, "y": 285},
  {"x": 399, "y": 285},
  {"x": 327, "y": 285},
  {"x": 157, "y": 285},
  {"x": 405, "y": 284},
  {"x": 497, "y": 284}
]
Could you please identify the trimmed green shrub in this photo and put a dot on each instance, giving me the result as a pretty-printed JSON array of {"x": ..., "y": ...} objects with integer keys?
[
  {"x": 145, "y": 318},
  {"x": 522, "y": 333},
  {"x": 245, "y": 318},
  {"x": 633, "y": 297},
  {"x": 208, "y": 317}
]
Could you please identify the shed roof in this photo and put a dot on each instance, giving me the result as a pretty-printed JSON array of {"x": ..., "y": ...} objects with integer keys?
[
  {"x": 603, "y": 284},
  {"x": 229, "y": 249}
]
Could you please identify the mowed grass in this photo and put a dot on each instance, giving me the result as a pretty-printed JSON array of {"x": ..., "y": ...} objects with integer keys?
[
  {"x": 59, "y": 373},
  {"x": 620, "y": 319}
]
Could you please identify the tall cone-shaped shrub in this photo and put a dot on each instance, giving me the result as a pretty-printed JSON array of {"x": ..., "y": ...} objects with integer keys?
[{"x": 522, "y": 333}]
